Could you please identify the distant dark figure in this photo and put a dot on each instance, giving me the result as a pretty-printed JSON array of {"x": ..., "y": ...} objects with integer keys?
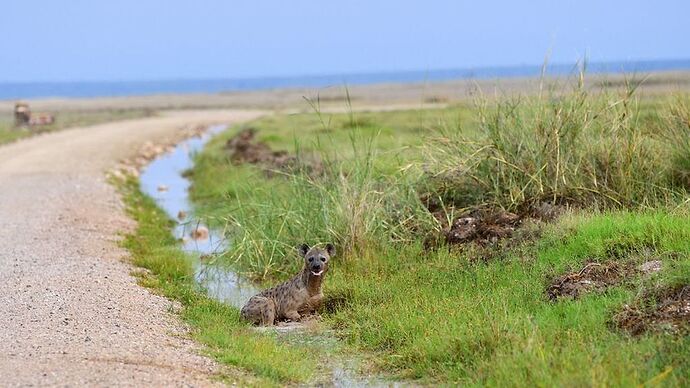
[{"x": 22, "y": 114}]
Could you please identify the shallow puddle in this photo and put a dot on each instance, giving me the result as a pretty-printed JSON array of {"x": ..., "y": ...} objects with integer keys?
[{"x": 163, "y": 180}]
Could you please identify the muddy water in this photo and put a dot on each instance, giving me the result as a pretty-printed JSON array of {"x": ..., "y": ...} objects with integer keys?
[{"x": 163, "y": 180}]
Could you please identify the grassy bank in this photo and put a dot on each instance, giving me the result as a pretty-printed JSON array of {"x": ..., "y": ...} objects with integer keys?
[
  {"x": 472, "y": 313},
  {"x": 67, "y": 119},
  {"x": 594, "y": 151},
  {"x": 258, "y": 359}
]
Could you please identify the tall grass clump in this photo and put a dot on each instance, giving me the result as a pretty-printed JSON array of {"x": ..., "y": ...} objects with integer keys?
[
  {"x": 567, "y": 147},
  {"x": 676, "y": 129},
  {"x": 353, "y": 204}
]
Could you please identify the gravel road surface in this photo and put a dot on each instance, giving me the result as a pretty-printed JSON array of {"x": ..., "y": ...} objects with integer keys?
[{"x": 72, "y": 314}]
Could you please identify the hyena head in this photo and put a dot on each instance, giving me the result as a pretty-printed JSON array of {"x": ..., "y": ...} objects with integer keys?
[{"x": 316, "y": 258}]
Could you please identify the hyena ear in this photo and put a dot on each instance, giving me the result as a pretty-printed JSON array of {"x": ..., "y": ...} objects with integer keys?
[
  {"x": 303, "y": 249},
  {"x": 330, "y": 248}
]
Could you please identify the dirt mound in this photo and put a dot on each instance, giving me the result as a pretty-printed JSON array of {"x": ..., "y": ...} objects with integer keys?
[
  {"x": 666, "y": 310},
  {"x": 487, "y": 226},
  {"x": 593, "y": 277},
  {"x": 596, "y": 277},
  {"x": 244, "y": 148},
  {"x": 482, "y": 227}
]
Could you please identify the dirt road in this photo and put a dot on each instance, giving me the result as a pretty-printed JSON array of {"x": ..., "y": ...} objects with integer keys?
[{"x": 70, "y": 313}]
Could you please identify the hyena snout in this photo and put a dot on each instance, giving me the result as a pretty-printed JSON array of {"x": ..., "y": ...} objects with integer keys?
[
  {"x": 316, "y": 259},
  {"x": 317, "y": 267}
]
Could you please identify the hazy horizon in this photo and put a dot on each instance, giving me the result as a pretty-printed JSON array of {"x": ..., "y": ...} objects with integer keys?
[
  {"x": 683, "y": 64},
  {"x": 213, "y": 39},
  {"x": 42, "y": 89}
]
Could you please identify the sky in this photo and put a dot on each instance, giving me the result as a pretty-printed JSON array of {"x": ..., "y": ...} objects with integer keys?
[{"x": 90, "y": 40}]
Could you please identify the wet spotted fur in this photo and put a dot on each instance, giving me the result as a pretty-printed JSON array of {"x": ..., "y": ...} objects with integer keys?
[{"x": 295, "y": 297}]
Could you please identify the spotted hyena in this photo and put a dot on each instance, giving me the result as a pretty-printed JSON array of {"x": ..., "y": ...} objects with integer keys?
[{"x": 295, "y": 297}]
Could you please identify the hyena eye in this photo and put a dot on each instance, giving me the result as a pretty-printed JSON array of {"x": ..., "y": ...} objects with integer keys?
[
  {"x": 323, "y": 259},
  {"x": 311, "y": 259}
]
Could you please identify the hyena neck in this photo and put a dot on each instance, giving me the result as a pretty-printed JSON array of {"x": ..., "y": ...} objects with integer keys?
[{"x": 311, "y": 282}]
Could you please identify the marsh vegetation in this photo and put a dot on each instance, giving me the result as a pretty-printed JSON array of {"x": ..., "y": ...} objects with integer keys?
[{"x": 586, "y": 188}]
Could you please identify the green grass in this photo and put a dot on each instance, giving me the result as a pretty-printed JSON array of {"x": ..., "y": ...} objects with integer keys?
[
  {"x": 265, "y": 359},
  {"x": 347, "y": 212},
  {"x": 67, "y": 119},
  {"x": 398, "y": 142},
  {"x": 607, "y": 151},
  {"x": 442, "y": 315},
  {"x": 676, "y": 128},
  {"x": 435, "y": 314}
]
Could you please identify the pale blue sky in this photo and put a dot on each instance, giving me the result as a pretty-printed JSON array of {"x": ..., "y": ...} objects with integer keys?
[{"x": 163, "y": 39}]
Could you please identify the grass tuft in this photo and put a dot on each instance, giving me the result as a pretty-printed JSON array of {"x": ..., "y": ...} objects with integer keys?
[
  {"x": 592, "y": 151},
  {"x": 676, "y": 129}
]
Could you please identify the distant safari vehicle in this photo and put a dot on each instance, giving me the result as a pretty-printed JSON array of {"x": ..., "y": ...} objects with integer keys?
[{"x": 23, "y": 116}]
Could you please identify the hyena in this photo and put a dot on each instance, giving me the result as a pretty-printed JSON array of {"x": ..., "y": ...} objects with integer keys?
[{"x": 295, "y": 297}]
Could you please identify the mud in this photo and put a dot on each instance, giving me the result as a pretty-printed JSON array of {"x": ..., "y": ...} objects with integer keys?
[
  {"x": 666, "y": 310},
  {"x": 593, "y": 277},
  {"x": 487, "y": 226},
  {"x": 245, "y": 148},
  {"x": 597, "y": 277},
  {"x": 480, "y": 226}
]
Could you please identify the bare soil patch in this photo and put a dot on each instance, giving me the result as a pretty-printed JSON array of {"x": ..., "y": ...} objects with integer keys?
[
  {"x": 597, "y": 277},
  {"x": 593, "y": 277},
  {"x": 487, "y": 226},
  {"x": 483, "y": 228},
  {"x": 665, "y": 310},
  {"x": 245, "y": 148}
]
